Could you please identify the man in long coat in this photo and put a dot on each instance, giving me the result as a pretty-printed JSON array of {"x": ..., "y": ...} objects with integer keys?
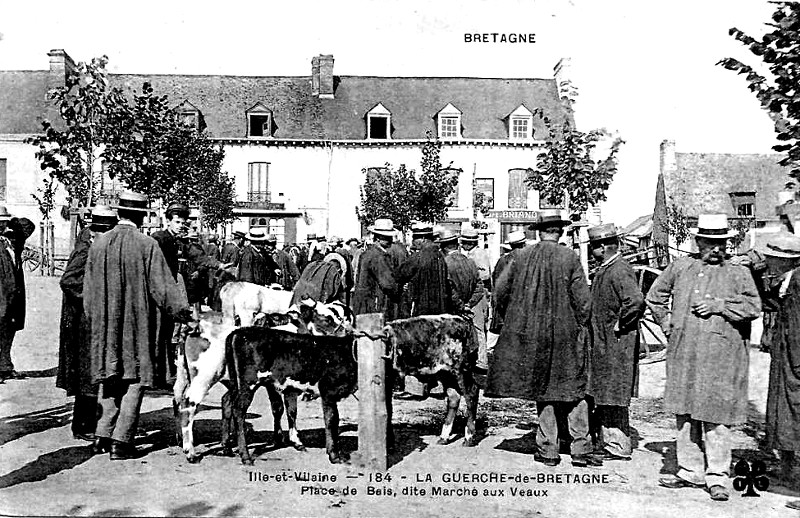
[
  {"x": 9, "y": 298},
  {"x": 713, "y": 303},
  {"x": 377, "y": 287},
  {"x": 289, "y": 274},
  {"x": 74, "y": 373},
  {"x": 256, "y": 264},
  {"x": 127, "y": 281},
  {"x": 321, "y": 281},
  {"x": 427, "y": 290},
  {"x": 230, "y": 255},
  {"x": 479, "y": 256},
  {"x": 783, "y": 398},
  {"x": 541, "y": 354},
  {"x": 617, "y": 306}
]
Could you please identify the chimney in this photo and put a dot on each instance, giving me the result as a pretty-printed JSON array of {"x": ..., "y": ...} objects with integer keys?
[
  {"x": 322, "y": 76},
  {"x": 61, "y": 66},
  {"x": 668, "y": 163}
]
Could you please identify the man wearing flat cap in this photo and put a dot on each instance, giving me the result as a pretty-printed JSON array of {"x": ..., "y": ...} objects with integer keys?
[
  {"x": 705, "y": 304},
  {"x": 127, "y": 281},
  {"x": 541, "y": 354},
  {"x": 617, "y": 306},
  {"x": 783, "y": 398}
]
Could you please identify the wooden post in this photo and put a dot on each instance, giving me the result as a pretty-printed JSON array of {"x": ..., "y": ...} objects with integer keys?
[{"x": 371, "y": 395}]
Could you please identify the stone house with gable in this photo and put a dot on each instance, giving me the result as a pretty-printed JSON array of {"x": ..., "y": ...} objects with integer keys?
[{"x": 296, "y": 146}]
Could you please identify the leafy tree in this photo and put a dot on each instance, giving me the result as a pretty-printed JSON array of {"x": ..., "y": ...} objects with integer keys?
[
  {"x": 436, "y": 184},
  {"x": 403, "y": 195},
  {"x": 388, "y": 193},
  {"x": 68, "y": 151},
  {"x": 46, "y": 197},
  {"x": 677, "y": 223},
  {"x": 154, "y": 153},
  {"x": 779, "y": 95},
  {"x": 567, "y": 166}
]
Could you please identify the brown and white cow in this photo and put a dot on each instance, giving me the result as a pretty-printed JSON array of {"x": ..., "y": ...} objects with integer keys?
[
  {"x": 201, "y": 364},
  {"x": 289, "y": 363},
  {"x": 438, "y": 348}
]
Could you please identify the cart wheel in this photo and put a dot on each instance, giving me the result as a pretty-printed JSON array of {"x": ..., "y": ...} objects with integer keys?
[{"x": 31, "y": 260}]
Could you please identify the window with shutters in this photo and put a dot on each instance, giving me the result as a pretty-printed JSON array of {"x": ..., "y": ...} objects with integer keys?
[
  {"x": 517, "y": 189},
  {"x": 258, "y": 182}
]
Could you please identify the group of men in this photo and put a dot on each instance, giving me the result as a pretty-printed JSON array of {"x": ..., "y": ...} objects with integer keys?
[{"x": 571, "y": 349}]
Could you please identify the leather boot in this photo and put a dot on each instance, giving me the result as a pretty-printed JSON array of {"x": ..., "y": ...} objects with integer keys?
[
  {"x": 123, "y": 451},
  {"x": 101, "y": 445}
]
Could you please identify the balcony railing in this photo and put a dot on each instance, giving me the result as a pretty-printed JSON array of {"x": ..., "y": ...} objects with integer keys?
[{"x": 259, "y": 200}]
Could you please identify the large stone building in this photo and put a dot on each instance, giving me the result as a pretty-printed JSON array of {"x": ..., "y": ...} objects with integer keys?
[
  {"x": 746, "y": 187},
  {"x": 296, "y": 146}
]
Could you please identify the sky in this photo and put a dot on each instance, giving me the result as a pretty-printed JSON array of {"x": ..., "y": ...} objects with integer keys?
[{"x": 644, "y": 69}]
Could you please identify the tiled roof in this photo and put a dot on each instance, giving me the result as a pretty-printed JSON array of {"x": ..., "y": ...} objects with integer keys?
[
  {"x": 223, "y": 101},
  {"x": 703, "y": 181}
]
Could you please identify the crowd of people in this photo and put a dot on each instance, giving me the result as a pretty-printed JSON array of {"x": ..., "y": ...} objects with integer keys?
[{"x": 542, "y": 333}]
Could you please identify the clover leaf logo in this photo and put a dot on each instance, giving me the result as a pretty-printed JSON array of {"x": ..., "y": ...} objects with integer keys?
[{"x": 750, "y": 477}]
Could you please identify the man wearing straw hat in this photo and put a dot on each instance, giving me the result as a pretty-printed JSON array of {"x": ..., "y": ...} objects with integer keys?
[
  {"x": 542, "y": 350},
  {"x": 707, "y": 323},
  {"x": 127, "y": 280},
  {"x": 783, "y": 398},
  {"x": 516, "y": 241},
  {"x": 256, "y": 264},
  {"x": 617, "y": 306},
  {"x": 377, "y": 287}
]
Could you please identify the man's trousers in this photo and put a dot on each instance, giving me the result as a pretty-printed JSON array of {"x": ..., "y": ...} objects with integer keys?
[
  {"x": 121, "y": 402},
  {"x": 577, "y": 423},
  {"x": 704, "y": 451}
]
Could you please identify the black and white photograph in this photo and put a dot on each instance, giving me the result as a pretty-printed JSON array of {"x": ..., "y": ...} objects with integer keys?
[{"x": 513, "y": 258}]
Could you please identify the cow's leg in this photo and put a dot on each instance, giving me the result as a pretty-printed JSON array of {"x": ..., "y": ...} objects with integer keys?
[
  {"x": 453, "y": 400},
  {"x": 187, "y": 412},
  {"x": 471, "y": 401},
  {"x": 241, "y": 402},
  {"x": 290, "y": 398},
  {"x": 178, "y": 395},
  {"x": 330, "y": 411},
  {"x": 228, "y": 425},
  {"x": 276, "y": 402}
]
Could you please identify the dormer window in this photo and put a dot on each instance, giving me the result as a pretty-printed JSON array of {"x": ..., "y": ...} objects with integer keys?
[
  {"x": 379, "y": 123},
  {"x": 744, "y": 203},
  {"x": 520, "y": 124},
  {"x": 189, "y": 116},
  {"x": 259, "y": 121},
  {"x": 449, "y": 122}
]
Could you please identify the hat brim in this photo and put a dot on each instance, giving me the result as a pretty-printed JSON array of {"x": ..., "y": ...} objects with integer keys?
[
  {"x": 5, "y": 217},
  {"x": 783, "y": 255},
  {"x": 451, "y": 239},
  {"x": 382, "y": 232},
  {"x": 131, "y": 209},
  {"x": 727, "y": 235},
  {"x": 555, "y": 223},
  {"x": 511, "y": 243}
]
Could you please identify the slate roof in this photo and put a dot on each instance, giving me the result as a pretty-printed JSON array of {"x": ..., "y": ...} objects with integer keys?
[
  {"x": 703, "y": 181},
  {"x": 223, "y": 101}
]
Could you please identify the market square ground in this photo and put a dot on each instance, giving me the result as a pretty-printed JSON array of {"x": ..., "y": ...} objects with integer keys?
[{"x": 44, "y": 471}]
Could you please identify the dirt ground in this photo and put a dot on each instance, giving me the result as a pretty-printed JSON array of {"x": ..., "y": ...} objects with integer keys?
[{"x": 44, "y": 471}]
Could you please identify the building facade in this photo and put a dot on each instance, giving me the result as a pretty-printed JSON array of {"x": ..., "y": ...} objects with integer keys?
[{"x": 297, "y": 146}]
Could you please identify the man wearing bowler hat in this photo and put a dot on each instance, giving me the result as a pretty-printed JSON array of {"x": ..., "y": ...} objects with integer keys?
[
  {"x": 704, "y": 305},
  {"x": 617, "y": 306},
  {"x": 11, "y": 296},
  {"x": 542, "y": 350},
  {"x": 127, "y": 281}
]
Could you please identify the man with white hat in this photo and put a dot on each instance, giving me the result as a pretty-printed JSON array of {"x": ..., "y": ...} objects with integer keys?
[
  {"x": 376, "y": 288},
  {"x": 516, "y": 241},
  {"x": 704, "y": 305},
  {"x": 256, "y": 264},
  {"x": 479, "y": 256},
  {"x": 617, "y": 306},
  {"x": 783, "y": 398}
]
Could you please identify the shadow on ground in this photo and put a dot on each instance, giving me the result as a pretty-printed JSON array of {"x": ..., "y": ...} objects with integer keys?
[{"x": 14, "y": 427}]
